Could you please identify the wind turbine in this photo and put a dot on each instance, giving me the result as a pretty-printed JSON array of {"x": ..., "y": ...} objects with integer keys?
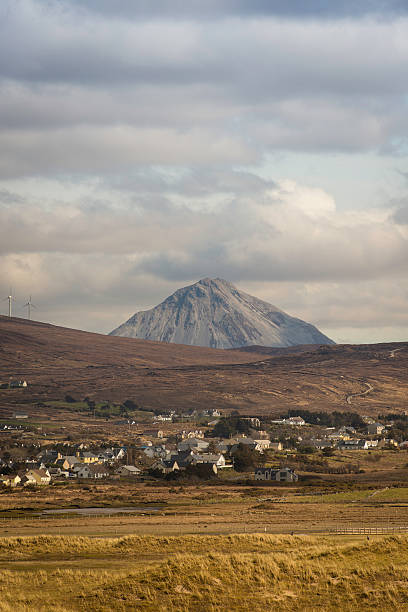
[
  {"x": 29, "y": 306},
  {"x": 10, "y": 299}
]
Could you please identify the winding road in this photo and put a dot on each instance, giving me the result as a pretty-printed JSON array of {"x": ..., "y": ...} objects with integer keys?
[{"x": 365, "y": 392}]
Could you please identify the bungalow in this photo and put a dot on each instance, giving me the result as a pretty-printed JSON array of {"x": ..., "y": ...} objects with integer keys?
[
  {"x": 357, "y": 444},
  {"x": 321, "y": 443},
  {"x": 295, "y": 420},
  {"x": 282, "y": 475},
  {"x": 128, "y": 470},
  {"x": 94, "y": 471},
  {"x": 218, "y": 460}
]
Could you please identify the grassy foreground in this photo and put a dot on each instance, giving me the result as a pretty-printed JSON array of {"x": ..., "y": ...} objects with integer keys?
[{"x": 241, "y": 572}]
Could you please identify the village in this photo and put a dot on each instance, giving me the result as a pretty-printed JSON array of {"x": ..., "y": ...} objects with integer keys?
[{"x": 175, "y": 446}]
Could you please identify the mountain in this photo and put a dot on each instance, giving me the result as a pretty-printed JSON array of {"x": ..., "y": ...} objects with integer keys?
[{"x": 216, "y": 314}]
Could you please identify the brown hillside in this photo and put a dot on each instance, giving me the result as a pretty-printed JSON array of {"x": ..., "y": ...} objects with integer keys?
[{"x": 364, "y": 378}]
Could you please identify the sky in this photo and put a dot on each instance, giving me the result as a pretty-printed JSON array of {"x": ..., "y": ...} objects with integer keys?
[{"x": 145, "y": 145}]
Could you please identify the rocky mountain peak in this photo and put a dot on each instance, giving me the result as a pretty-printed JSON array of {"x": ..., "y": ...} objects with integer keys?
[{"x": 214, "y": 313}]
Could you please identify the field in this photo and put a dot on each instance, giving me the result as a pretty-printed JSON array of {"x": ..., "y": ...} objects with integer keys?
[{"x": 237, "y": 572}]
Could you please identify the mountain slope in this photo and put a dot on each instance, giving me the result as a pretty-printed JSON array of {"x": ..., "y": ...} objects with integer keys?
[{"x": 216, "y": 314}]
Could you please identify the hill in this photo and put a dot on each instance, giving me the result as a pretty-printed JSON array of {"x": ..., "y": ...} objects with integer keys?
[
  {"x": 214, "y": 313},
  {"x": 364, "y": 378}
]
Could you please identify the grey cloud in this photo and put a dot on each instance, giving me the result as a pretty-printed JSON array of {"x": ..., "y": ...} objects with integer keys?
[
  {"x": 401, "y": 214},
  {"x": 255, "y": 229},
  {"x": 213, "y": 9},
  {"x": 7, "y": 197},
  {"x": 71, "y": 102}
]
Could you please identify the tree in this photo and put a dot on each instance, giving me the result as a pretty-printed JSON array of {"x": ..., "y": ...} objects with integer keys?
[{"x": 245, "y": 458}]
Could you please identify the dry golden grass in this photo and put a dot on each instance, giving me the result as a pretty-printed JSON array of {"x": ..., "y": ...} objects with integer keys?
[{"x": 258, "y": 572}]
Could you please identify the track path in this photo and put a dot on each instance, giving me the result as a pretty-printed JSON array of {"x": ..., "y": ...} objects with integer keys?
[{"x": 361, "y": 394}]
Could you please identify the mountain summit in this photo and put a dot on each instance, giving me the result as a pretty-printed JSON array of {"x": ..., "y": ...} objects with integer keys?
[{"x": 216, "y": 314}]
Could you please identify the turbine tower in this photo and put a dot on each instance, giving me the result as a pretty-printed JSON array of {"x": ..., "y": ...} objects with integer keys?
[
  {"x": 10, "y": 299},
  {"x": 29, "y": 306}
]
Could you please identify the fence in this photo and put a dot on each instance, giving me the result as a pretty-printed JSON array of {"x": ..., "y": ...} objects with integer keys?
[{"x": 365, "y": 530}]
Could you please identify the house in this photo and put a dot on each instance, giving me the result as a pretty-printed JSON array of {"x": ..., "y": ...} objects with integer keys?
[
  {"x": 262, "y": 444},
  {"x": 253, "y": 421},
  {"x": 36, "y": 477},
  {"x": 218, "y": 460},
  {"x": 10, "y": 480},
  {"x": 320, "y": 444},
  {"x": 20, "y": 415},
  {"x": 166, "y": 466},
  {"x": 92, "y": 470},
  {"x": 277, "y": 446},
  {"x": 49, "y": 456},
  {"x": 357, "y": 444},
  {"x": 68, "y": 462},
  {"x": 282, "y": 475},
  {"x": 128, "y": 470},
  {"x": 198, "y": 434},
  {"x": 375, "y": 429},
  {"x": 212, "y": 412},
  {"x": 193, "y": 443},
  {"x": 153, "y": 433},
  {"x": 258, "y": 445},
  {"x": 295, "y": 420},
  {"x": 87, "y": 457},
  {"x": 17, "y": 384},
  {"x": 387, "y": 442}
]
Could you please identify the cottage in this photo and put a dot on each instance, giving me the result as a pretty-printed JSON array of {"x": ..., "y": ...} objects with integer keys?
[{"x": 282, "y": 475}]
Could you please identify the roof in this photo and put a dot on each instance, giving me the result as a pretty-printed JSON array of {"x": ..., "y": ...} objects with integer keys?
[{"x": 130, "y": 468}]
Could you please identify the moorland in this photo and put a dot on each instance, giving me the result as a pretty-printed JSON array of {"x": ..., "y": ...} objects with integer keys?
[{"x": 337, "y": 537}]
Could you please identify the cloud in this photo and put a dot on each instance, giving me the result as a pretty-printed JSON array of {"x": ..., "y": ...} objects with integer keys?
[
  {"x": 138, "y": 145},
  {"x": 89, "y": 92}
]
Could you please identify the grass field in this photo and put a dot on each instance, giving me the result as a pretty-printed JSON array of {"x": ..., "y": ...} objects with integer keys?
[{"x": 236, "y": 572}]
